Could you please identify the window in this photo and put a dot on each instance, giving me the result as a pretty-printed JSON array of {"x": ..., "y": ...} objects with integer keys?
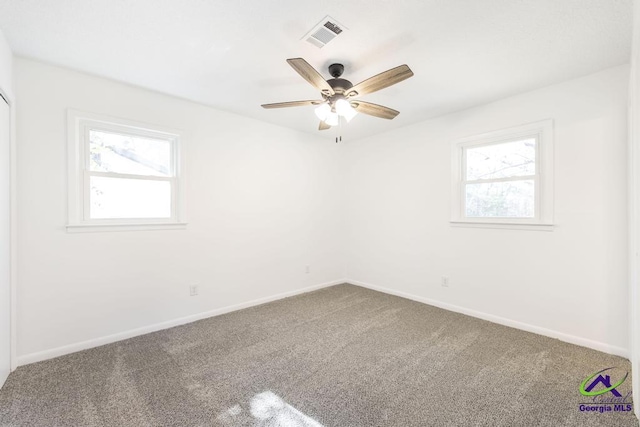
[
  {"x": 123, "y": 175},
  {"x": 504, "y": 179}
]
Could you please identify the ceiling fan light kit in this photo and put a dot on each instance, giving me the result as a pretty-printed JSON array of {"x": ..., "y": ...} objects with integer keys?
[
  {"x": 323, "y": 111},
  {"x": 331, "y": 114},
  {"x": 344, "y": 109},
  {"x": 327, "y": 114},
  {"x": 332, "y": 119},
  {"x": 337, "y": 93}
]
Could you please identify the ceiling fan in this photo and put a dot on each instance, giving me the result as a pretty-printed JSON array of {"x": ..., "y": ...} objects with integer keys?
[{"x": 340, "y": 97}]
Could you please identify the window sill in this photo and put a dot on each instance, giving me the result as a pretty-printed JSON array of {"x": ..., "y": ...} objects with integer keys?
[
  {"x": 504, "y": 225},
  {"x": 93, "y": 228}
]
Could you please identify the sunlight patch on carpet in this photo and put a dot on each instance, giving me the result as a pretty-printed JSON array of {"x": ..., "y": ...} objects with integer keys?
[{"x": 266, "y": 409}]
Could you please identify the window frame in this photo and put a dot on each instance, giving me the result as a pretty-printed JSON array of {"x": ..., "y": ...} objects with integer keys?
[
  {"x": 79, "y": 125},
  {"x": 542, "y": 133}
]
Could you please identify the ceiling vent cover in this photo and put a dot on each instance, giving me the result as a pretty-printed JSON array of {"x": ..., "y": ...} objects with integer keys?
[{"x": 326, "y": 30}]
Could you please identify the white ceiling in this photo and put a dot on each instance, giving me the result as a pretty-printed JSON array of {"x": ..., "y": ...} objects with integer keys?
[{"x": 231, "y": 54}]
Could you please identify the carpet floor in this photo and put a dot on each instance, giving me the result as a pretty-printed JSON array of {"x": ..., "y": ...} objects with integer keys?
[{"x": 340, "y": 356}]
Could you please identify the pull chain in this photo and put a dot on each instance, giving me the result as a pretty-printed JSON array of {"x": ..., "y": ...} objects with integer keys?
[{"x": 339, "y": 138}]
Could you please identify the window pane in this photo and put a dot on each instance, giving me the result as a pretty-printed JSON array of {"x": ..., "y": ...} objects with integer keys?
[
  {"x": 129, "y": 198},
  {"x": 517, "y": 158},
  {"x": 121, "y": 153},
  {"x": 514, "y": 199}
]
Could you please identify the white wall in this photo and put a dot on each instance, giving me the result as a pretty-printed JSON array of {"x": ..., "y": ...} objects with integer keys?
[
  {"x": 6, "y": 88},
  {"x": 261, "y": 205},
  {"x": 264, "y": 201},
  {"x": 634, "y": 206},
  {"x": 570, "y": 283},
  {"x": 6, "y": 66}
]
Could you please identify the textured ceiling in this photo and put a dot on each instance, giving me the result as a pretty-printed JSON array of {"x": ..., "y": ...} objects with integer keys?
[{"x": 231, "y": 55}]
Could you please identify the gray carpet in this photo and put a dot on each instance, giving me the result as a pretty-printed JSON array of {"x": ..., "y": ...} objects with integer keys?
[{"x": 341, "y": 356}]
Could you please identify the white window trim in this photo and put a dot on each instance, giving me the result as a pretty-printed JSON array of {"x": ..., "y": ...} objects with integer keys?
[
  {"x": 78, "y": 123},
  {"x": 543, "y": 220}
]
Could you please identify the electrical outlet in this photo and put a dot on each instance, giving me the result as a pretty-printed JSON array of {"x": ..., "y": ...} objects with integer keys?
[
  {"x": 445, "y": 281},
  {"x": 193, "y": 290},
  {"x": 307, "y": 269}
]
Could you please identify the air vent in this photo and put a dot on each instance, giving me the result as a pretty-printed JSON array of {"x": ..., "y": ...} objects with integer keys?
[{"x": 326, "y": 30}]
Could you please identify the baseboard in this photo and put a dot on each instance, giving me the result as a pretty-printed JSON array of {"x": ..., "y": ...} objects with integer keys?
[
  {"x": 96, "y": 342},
  {"x": 572, "y": 339}
]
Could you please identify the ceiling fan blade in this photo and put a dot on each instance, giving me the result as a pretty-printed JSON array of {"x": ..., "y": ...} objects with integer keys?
[
  {"x": 293, "y": 104},
  {"x": 381, "y": 81},
  {"x": 310, "y": 74},
  {"x": 323, "y": 126},
  {"x": 374, "y": 110}
]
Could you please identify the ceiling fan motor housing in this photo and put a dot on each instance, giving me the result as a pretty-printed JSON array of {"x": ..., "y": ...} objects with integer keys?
[{"x": 340, "y": 86}]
